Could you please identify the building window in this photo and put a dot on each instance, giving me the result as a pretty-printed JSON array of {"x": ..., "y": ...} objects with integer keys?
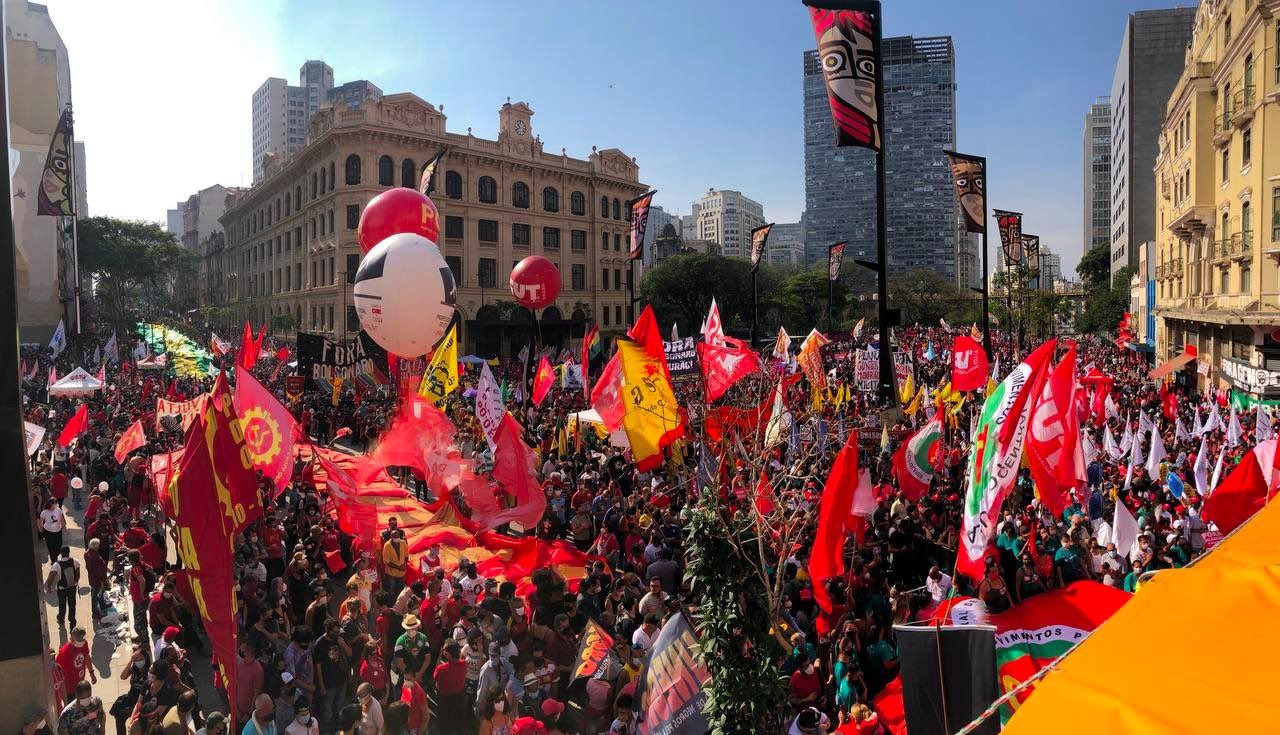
[
  {"x": 353, "y": 170},
  {"x": 330, "y": 220},
  {"x": 453, "y": 184},
  {"x": 617, "y": 313},
  {"x": 453, "y": 227},
  {"x": 604, "y": 207},
  {"x": 1226, "y": 281},
  {"x": 353, "y": 265},
  {"x": 520, "y": 234},
  {"x": 1246, "y": 147},
  {"x": 550, "y": 238},
  {"x": 353, "y": 216},
  {"x": 1226, "y": 31},
  {"x": 314, "y": 179},
  {"x": 578, "y": 239},
  {"x": 1275, "y": 214},
  {"x": 617, "y": 281},
  {"x": 520, "y": 195},
  {"x": 1226, "y": 163},
  {"x": 617, "y": 243},
  {"x": 488, "y": 190},
  {"x": 330, "y": 317},
  {"x": 408, "y": 174},
  {"x": 297, "y": 198},
  {"x": 386, "y": 171},
  {"x": 579, "y": 275},
  {"x": 488, "y": 273},
  {"x": 550, "y": 199},
  {"x": 489, "y": 231},
  {"x": 1246, "y": 274},
  {"x": 605, "y": 312},
  {"x": 578, "y": 203},
  {"x": 604, "y": 241},
  {"x": 323, "y": 174},
  {"x": 617, "y": 209},
  {"x": 455, "y": 267},
  {"x": 333, "y": 181},
  {"x": 604, "y": 279}
]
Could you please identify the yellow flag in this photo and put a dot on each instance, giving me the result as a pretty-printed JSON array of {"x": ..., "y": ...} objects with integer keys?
[
  {"x": 908, "y": 389},
  {"x": 991, "y": 386},
  {"x": 441, "y": 378},
  {"x": 816, "y": 399},
  {"x": 337, "y": 391},
  {"x": 915, "y": 403},
  {"x": 652, "y": 417}
]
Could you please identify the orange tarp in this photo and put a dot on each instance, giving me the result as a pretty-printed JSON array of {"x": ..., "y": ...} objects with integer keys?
[
  {"x": 1194, "y": 651},
  {"x": 1177, "y": 363}
]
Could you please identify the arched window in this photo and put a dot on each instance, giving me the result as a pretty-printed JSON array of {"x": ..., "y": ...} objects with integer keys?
[
  {"x": 408, "y": 172},
  {"x": 453, "y": 184},
  {"x": 287, "y": 203},
  {"x": 324, "y": 173},
  {"x": 520, "y": 195},
  {"x": 386, "y": 171},
  {"x": 577, "y": 203},
  {"x": 333, "y": 180},
  {"x": 353, "y": 170},
  {"x": 550, "y": 199},
  {"x": 314, "y": 182},
  {"x": 488, "y": 190},
  {"x": 297, "y": 197},
  {"x": 604, "y": 207},
  {"x": 617, "y": 209}
]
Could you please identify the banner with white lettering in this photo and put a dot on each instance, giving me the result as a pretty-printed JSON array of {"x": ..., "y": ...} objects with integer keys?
[
  {"x": 682, "y": 359},
  {"x": 323, "y": 361}
]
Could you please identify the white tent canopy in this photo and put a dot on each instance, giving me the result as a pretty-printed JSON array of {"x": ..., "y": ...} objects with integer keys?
[
  {"x": 78, "y": 382},
  {"x": 617, "y": 438}
]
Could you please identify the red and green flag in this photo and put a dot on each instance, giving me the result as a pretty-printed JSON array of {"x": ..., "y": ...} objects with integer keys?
[{"x": 913, "y": 462}]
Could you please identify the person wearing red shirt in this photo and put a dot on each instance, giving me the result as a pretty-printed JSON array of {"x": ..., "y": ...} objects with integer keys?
[
  {"x": 373, "y": 669},
  {"x": 273, "y": 542},
  {"x": 804, "y": 688},
  {"x": 451, "y": 682},
  {"x": 152, "y": 554},
  {"x": 249, "y": 681},
  {"x": 74, "y": 660},
  {"x": 58, "y": 486},
  {"x": 413, "y": 695}
]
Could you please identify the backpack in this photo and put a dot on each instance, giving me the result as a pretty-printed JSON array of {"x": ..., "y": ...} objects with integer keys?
[{"x": 68, "y": 574}]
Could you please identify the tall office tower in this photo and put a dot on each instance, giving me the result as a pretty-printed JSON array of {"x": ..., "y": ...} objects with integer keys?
[
  {"x": 919, "y": 124},
  {"x": 1097, "y": 174},
  {"x": 1152, "y": 54}
]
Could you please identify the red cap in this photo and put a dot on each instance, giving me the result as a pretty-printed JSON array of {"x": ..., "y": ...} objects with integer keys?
[
  {"x": 171, "y": 632},
  {"x": 551, "y": 708}
]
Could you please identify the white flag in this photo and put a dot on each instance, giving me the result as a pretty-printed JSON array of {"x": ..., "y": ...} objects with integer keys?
[
  {"x": 1217, "y": 471},
  {"x": 112, "y": 350},
  {"x": 1262, "y": 429},
  {"x": 1126, "y": 439},
  {"x": 1234, "y": 430},
  {"x": 857, "y": 328},
  {"x": 1087, "y": 447},
  {"x": 140, "y": 351},
  {"x": 97, "y": 355},
  {"x": 1124, "y": 531},
  {"x": 1109, "y": 444},
  {"x": 712, "y": 329},
  {"x": 59, "y": 341},
  {"x": 489, "y": 409},
  {"x": 1112, "y": 411},
  {"x": 1144, "y": 423},
  {"x": 34, "y": 435},
  {"x": 1135, "y": 461},
  {"x": 1157, "y": 455},
  {"x": 779, "y": 420},
  {"x": 1180, "y": 431},
  {"x": 1214, "y": 421},
  {"x": 675, "y": 334},
  {"x": 1200, "y": 470}
]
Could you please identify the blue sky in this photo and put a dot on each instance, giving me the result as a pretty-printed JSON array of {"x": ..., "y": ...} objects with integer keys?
[{"x": 704, "y": 94}]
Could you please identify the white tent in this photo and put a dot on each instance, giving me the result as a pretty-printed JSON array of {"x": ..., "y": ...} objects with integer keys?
[
  {"x": 78, "y": 382},
  {"x": 592, "y": 417}
]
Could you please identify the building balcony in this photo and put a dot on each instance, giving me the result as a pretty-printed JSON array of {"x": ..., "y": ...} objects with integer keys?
[
  {"x": 1221, "y": 251},
  {"x": 1222, "y": 129},
  {"x": 1242, "y": 101},
  {"x": 1242, "y": 243},
  {"x": 1190, "y": 219}
]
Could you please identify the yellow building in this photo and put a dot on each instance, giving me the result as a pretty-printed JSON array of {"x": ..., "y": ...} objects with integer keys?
[
  {"x": 1218, "y": 202},
  {"x": 290, "y": 252}
]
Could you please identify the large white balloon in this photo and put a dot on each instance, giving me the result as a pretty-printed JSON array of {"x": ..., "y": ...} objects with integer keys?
[{"x": 405, "y": 294}]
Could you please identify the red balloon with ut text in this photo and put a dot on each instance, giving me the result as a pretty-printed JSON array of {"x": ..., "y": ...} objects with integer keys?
[
  {"x": 395, "y": 211},
  {"x": 535, "y": 282}
]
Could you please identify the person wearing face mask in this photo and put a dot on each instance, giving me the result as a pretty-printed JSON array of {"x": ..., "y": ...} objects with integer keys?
[
  {"x": 492, "y": 711},
  {"x": 136, "y": 674},
  {"x": 450, "y": 678},
  {"x": 370, "y": 711},
  {"x": 413, "y": 695},
  {"x": 84, "y": 715},
  {"x": 804, "y": 687},
  {"x": 74, "y": 660},
  {"x": 262, "y": 722},
  {"x": 494, "y": 674},
  {"x": 249, "y": 681}
]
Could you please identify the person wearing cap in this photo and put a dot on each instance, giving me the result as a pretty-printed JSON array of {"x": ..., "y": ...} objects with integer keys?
[
  {"x": 214, "y": 724},
  {"x": 528, "y": 726},
  {"x": 810, "y": 721},
  {"x": 168, "y": 637},
  {"x": 552, "y": 710},
  {"x": 302, "y": 723},
  {"x": 84, "y": 714}
]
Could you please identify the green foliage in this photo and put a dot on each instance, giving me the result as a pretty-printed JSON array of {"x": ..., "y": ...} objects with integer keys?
[
  {"x": 925, "y": 296},
  {"x": 681, "y": 287},
  {"x": 283, "y": 322},
  {"x": 802, "y": 301},
  {"x": 746, "y": 691},
  {"x": 133, "y": 266},
  {"x": 1095, "y": 267},
  {"x": 1106, "y": 298}
]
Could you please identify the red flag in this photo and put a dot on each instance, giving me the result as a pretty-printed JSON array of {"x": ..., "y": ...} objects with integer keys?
[
  {"x": 515, "y": 466},
  {"x": 262, "y": 336},
  {"x": 724, "y": 365},
  {"x": 1053, "y": 434},
  {"x": 591, "y": 338},
  {"x": 542, "y": 381},
  {"x": 914, "y": 460},
  {"x": 248, "y": 355},
  {"x": 214, "y": 496},
  {"x": 826, "y": 559},
  {"x": 282, "y": 354},
  {"x": 269, "y": 429},
  {"x": 649, "y": 336},
  {"x": 606, "y": 396},
  {"x": 969, "y": 368},
  {"x": 1244, "y": 491},
  {"x": 131, "y": 439},
  {"x": 764, "y": 496},
  {"x": 1169, "y": 400},
  {"x": 76, "y": 426}
]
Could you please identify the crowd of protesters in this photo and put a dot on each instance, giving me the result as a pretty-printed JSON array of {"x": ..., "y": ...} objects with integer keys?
[{"x": 353, "y": 648}]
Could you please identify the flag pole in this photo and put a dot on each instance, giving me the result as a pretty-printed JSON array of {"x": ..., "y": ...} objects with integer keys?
[
  {"x": 888, "y": 393},
  {"x": 75, "y": 218},
  {"x": 755, "y": 307}
]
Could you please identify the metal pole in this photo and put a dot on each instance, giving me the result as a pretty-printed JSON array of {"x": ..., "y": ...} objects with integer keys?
[
  {"x": 24, "y": 647},
  {"x": 888, "y": 391},
  {"x": 755, "y": 306},
  {"x": 75, "y": 232},
  {"x": 830, "y": 298},
  {"x": 986, "y": 285}
]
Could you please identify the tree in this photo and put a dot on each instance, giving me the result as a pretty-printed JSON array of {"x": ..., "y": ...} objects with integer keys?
[
  {"x": 283, "y": 322},
  {"x": 925, "y": 296},
  {"x": 802, "y": 301},
  {"x": 132, "y": 265},
  {"x": 1106, "y": 297},
  {"x": 681, "y": 288}
]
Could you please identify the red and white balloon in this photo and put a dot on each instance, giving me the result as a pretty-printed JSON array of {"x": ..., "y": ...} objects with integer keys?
[
  {"x": 535, "y": 282},
  {"x": 395, "y": 211}
]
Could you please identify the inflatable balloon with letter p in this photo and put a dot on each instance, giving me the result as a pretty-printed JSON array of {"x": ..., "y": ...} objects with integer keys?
[
  {"x": 535, "y": 282},
  {"x": 405, "y": 294},
  {"x": 395, "y": 211}
]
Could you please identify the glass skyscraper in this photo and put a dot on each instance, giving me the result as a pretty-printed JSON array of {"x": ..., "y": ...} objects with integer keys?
[{"x": 919, "y": 124}]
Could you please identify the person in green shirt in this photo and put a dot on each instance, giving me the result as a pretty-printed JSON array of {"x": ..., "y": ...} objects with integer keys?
[{"x": 1131, "y": 579}]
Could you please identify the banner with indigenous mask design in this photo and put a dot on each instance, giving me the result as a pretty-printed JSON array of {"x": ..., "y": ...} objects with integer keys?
[
  {"x": 969, "y": 176},
  {"x": 639, "y": 223},
  {"x": 1010, "y": 224},
  {"x": 835, "y": 260},
  {"x": 55, "y": 196},
  {"x": 759, "y": 237},
  {"x": 850, "y": 65}
]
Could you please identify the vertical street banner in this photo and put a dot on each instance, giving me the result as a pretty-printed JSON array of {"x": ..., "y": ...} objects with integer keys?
[
  {"x": 759, "y": 237},
  {"x": 835, "y": 260},
  {"x": 427, "y": 183},
  {"x": 55, "y": 197},
  {"x": 969, "y": 176},
  {"x": 593, "y": 651},
  {"x": 671, "y": 694},
  {"x": 1010, "y": 224},
  {"x": 850, "y": 65},
  {"x": 639, "y": 223},
  {"x": 1030, "y": 246}
]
